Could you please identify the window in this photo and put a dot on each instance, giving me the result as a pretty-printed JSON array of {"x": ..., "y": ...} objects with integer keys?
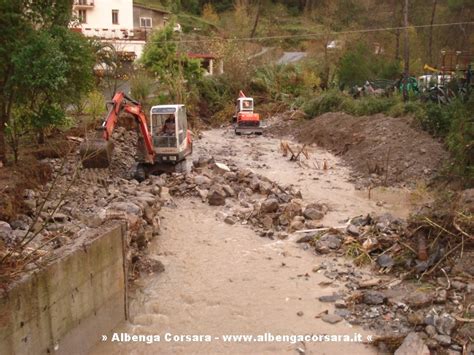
[
  {"x": 115, "y": 19},
  {"x": 145, "y": 22},
  {"x": 81, "y": 14}
]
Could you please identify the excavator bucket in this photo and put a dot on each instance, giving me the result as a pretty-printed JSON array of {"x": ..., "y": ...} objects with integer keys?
[{"x": 96, "y": 153}]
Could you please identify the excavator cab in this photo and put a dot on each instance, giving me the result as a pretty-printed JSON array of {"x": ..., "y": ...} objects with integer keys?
[
  {"x": 245, "y": 120},
  {"x": 169, "y": 130}
]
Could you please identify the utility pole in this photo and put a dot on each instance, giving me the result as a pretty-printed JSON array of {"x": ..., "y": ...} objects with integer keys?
[{"x": 406, "y": 54}]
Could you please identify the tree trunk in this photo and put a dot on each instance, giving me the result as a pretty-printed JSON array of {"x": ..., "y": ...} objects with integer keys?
[
  {"x": 397, "y": 45},
  {"x": 430, "y": 43},
  {"x": 397, "y": 23},
  {"x": 3, "y": 147},
  {"x": 257, "y": 18},
  {"x": 406, "y": 54},
  {"x": 41, "y": 136}
]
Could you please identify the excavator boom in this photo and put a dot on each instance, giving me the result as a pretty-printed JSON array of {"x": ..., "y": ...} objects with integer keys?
[{"x": 97, "y": 152}]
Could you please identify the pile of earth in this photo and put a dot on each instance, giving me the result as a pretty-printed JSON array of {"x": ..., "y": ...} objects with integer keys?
[{"x": 381, "y": 150}]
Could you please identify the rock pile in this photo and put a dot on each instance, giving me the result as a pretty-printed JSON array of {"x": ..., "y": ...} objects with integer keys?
[{"x": 247, "y": 198}]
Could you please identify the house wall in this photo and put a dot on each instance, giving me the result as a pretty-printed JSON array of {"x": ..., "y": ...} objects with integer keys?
[
  {"x": 99, "y": 18},
  {"x": 158, "y": 18}
]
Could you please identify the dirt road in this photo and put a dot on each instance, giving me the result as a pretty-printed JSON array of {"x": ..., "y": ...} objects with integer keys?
[{"x": 223, "y": 279}]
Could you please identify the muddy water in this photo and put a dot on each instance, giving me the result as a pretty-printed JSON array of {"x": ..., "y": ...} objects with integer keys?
[
  {"x": 223, "y": 279},
  {"x": 332, "y": 186}
]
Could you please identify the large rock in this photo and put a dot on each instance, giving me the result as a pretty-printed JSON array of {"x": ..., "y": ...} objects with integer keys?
[
  {"x": 202, "y": 161},
  {"x": 265, "y": 187},
  {"x": 267, "y": 222},
  {"x": 445, "y": 324},
  {"x": 270, "y": 205},
  {"x": 328, "y": 242},
  {"x": 315, "y": 211},
  {"x": 331, "y": 318},
  {"x": 418, "y": 299},
  {"x": 413, "y": 345},
  {"x": 202, "y": 180},
  {"x": 297, "y": 224},
  {"x": 373, "y": 297},
  {"x": 221, "y": 168},
  {"x": 127, "y": 207},
  {"x": 216, "y": 195},
  {"x": 292, "y": 209},
  {"x": 228, "y": 190},
  {"x": 5, "y": 231}
]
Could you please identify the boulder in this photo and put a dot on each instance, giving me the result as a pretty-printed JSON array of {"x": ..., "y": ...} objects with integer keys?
[
  {"x": 314, "y": 211},
  {"x": 127, "y": 207},
  {"x": 413, "y": 345},
  {"x": 296, "y": 225},
  {"x": 202, "y": 180},
  {"x": 230, "y": 220},
  {"x": 331, "y": 318},
  {"x": 373, "y": 297},
  {"x": 228, "y": 190},
  {"x": 328, "y": 241},
  {"x": 270, "y": 205},
  {"x": 418, "y": 299},
  {"x": 221, "y": 168},
  {"x": 216, "y": 195},
  {"x": 445, "y": 324}
]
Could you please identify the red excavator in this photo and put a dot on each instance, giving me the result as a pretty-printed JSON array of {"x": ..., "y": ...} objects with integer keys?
[
  {"x": 245, "y": 120},
  {"x": 163, "y": 145}
]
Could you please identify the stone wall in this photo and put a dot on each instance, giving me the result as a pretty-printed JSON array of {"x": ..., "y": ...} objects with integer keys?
[{"x": 67, "y": 306}]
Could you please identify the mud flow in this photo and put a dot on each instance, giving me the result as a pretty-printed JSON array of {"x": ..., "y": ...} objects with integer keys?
[{"x": 224, "y": 279}]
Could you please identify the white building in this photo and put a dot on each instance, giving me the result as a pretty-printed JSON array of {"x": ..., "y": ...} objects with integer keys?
[{"x": 104, "y": 18}]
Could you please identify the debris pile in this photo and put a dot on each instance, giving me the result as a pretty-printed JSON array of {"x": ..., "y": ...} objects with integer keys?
[
  {"x": 381, "y": 150},
  {"x": 78, "y": 200},
  {"x": 432, "y": 297},
  {"x": 247, "y": 198}
]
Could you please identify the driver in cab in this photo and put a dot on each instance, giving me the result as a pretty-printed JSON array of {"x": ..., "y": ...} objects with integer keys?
[{"x": 169, "y": 127}]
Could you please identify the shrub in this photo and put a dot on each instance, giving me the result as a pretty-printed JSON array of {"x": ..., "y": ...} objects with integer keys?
[
  {"x": 141, "y": 87},
  {"x": 371, "y": 105},
  {"x": 435, "y": 119},
  {"x": 329, "y": 101},
  {"x": 460, "y": 139}
]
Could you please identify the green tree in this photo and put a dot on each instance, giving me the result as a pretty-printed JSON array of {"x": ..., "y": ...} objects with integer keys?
[
  {"x": 43, "y": 65},
  {"x": 173, "y": 69},
  {"x": 14, "y": 32}
]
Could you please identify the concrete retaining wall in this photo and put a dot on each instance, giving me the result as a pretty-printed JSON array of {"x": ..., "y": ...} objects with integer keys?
[{"x": 67, "y": 306}]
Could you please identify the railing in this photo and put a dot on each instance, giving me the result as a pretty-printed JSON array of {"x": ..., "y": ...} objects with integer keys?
[{"x": 83, "y": 3}]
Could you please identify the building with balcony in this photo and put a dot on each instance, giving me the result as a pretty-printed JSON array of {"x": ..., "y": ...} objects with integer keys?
[{"x": 123, "y": 23}]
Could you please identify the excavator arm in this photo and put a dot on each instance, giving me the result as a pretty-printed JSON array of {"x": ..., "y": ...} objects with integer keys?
[{"x": 97, "y": 152}]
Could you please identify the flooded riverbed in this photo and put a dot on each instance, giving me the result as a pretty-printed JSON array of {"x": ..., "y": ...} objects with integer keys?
[{"x": 223, "y": 279}]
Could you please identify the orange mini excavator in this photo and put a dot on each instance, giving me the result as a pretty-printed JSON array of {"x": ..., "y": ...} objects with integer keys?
[
  {"x": 163, "y": 145},
  {"x": 245, "y": 120}
]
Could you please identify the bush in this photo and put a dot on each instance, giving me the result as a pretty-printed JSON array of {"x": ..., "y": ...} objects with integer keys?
[
  {"x": 434, "y": 119},
  {"x": 329, "y": 101},
  {"x": 371, "y": 105},
  {"x": 460, "y": 139},
  {"x": 141, "y": 87}
]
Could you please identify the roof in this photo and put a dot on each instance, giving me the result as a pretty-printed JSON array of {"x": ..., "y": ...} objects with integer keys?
[
  {"x": 201, "y": 55},
  {"x": 291, "y": 57},
  {"x": 151, "y": 8},
  {"x": 165, "y": 108}
]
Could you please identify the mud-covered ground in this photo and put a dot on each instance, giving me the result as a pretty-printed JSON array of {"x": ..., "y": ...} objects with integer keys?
[
  {"x": 381, "y": 150},
  {"x": 250, "y": 242},
  {"x": 218, "y": 266}
]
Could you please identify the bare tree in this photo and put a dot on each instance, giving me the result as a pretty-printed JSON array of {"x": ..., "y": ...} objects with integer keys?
[{"x": 430, "y": 43}]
